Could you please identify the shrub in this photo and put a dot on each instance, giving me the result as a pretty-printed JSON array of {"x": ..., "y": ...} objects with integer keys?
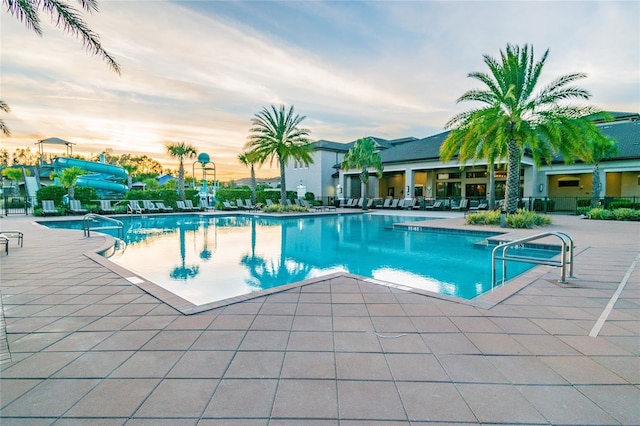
[
  {"x": 86, "y": 195},
  {"x": 584, "y": 202},
  {"x": 522, "y": 219},
  {"x": 617, "y": 214},
  {"x": 279, "y": 208},
  {"x": 232, "y": 195},
  {"x": 491, "y": 217},
  {"x": 51, "y": 192},
  {"x": 622, "y": 204}
]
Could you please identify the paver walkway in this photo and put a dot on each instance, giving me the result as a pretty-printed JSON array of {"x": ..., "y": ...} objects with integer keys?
[{"x": 88, "y": 347}]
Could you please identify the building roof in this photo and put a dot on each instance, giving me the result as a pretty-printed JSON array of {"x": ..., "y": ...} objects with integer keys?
[
  {"x": 420, "y": 149},
  {"x": 624, "y": 128}
]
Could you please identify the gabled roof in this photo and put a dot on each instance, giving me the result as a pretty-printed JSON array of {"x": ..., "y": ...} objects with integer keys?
[
  {"x": 419, "y": 149},
  {"x": 331, "y": 146},
  {"x": 626, "y": 133}
]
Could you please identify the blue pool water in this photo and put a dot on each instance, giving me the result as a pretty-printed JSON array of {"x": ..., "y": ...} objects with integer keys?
[{"x": 209, "y": 258}]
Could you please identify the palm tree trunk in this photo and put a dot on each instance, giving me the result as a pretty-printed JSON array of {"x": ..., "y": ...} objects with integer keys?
[
  {"x": 595, "y": 186},
  {"x": 364, "y": 195},
  {"x": 283, "y": 182},
  {"x": 253, "y": 185},
  {"x": 492, "y": 186},
  {"x": 181, "y": 180},
  {"x": 513, "y": 176}
]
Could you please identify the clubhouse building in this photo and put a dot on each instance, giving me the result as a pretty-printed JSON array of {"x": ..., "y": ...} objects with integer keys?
[{"x": 413, "y": 170}]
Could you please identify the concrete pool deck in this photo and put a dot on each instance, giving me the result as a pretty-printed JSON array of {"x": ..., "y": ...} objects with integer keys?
[{"x": 85, "y": 346}]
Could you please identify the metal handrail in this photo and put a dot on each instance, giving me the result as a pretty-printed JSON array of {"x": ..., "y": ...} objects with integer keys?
[
  {"x": 567, "y": 246},
  {"x": 93, "y": 217}
]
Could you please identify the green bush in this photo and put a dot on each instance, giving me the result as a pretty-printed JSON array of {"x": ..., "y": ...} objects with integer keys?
[
  {"x": 51, "y": 192},
  {"x": 232, "y": 195},
  {"x": 279, "y": 208},
  {"x": 167, "y": 196},
  {"x": 522, "y": 219},
  {"x": 617, "y": 214},
  {"x": 491, "y": 217},
  {"x": 584, "y": 202},
  {"x": 622, "y": 204},
  {"x": 86, "y": 195}
]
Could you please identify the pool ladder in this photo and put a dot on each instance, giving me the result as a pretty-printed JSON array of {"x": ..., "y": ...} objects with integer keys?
[
  {"x": 91, "y": 218},
  {"x": 566, "y": 256}
]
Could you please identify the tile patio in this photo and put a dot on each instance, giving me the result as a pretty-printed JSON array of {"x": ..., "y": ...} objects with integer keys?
[{"x": 85, "y": 346}]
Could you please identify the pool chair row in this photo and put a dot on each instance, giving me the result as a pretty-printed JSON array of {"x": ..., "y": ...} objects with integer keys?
[{"x": 148, "y": 206}]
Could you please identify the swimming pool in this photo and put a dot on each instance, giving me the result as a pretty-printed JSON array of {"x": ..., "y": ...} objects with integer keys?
[{"x": 204, "y": 258}]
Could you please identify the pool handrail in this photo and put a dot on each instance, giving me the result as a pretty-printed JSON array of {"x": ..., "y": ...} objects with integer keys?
[
  {"x": 567, "y": 246},
  {"x": 94, "y": 217}
]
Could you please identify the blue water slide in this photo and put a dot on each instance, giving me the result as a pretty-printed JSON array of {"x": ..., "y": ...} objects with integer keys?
[{"x": 103, "y": 174}]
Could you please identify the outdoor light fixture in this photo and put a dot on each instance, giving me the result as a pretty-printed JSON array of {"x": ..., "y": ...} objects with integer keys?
[{"x": 540, "y": 187}]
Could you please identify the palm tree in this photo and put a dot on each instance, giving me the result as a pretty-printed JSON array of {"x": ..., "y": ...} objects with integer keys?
[
  {"x": 180, "y": 150},
  {"x": 249, "y": 159},
  {"x": 275, "y": 135},
  {"x": 3, "y": 127},
  {"x": 515, "y": 118},
  {"x": 600, "y": 149},
  {"x": 363, "y": 156},
  {"x": 62, "y": 14},
  {"x": 69, "y": 177}
]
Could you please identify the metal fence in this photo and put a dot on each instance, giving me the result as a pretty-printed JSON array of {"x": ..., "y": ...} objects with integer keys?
[{"x": 18, "y": 204}]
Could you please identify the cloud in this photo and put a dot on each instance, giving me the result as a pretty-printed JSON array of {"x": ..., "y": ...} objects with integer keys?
[{"x": 198, "y": 71}]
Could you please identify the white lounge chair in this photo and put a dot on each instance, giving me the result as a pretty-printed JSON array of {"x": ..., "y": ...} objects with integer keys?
[
  {"x": 134, "y": 208},
  {"x": 105, "y": 207},
  {"x": 149, "y": 206},
  {"x": 76, "y": 207},
  {"x": 163, "y": 208},
  {"x": 48, "y": 208}
]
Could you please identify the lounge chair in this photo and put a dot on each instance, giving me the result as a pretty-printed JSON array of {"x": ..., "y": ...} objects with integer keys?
[
  {"x": 394, "y": 203},
  {"x": 76, "y": 207},
  {"x": 435, "y": 206},
  {"x": 228, "y": 206},
  {"x": 269, "y": 202},
  {"x": 18, "y": 235},
  {"x": 48, "y": 208},
  {"x": 134, "y": 208},
  {"x": 387, "y": 203},
  {"x": 181, "y": 206},
  {"x": 249, "y": 205},
  {"x": 409, "y": 204},
  {"x": 105, "y": 207},
  {"x": 240, "y": 204},
  {"x": 190, "y": 206},
  {"x": 481, "y": 206},
  {"x": 462, "y": 205},
  {"x": 163, "y": 208},
  {"x": 150, "y": 207},
  {"x": 4, "y": 240}
]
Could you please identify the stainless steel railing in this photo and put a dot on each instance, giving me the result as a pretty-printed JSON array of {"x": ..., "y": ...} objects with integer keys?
[
  {"x": 93, "y": 218},
  {"x": 566, "y": 256}
]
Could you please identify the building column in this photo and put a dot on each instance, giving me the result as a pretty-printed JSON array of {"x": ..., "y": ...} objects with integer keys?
[{"x": 408, "y": 184}]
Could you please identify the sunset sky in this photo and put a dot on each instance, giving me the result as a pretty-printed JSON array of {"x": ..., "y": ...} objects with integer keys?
[{"x": 198, "y": 71}]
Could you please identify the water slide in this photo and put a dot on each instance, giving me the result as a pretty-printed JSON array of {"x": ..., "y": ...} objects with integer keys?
[
  {"x": 31, "y": 185},
  {"x": 103, "y": 177}
]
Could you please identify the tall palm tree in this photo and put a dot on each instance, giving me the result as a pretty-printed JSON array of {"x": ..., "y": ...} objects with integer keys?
[
  {"x": 600, "y": 149},
  {"x": 248, "y": 158},
  {"x": 65, "y": 15},
  {"x": 363, "y": 156},
  {"x": 515, "y": 118},
  {"x": 275, "y": 135},
  {"x": 180, "y": 150},
  {"x": 3, "y": 127}
]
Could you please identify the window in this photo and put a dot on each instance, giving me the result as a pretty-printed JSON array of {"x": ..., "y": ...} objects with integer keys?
[
  {"x": 475, "y": 190},
  {"x": 476, "y": 175},
  {"x": 568, "y": 183},
  {"x": 448, "y": 189}
]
